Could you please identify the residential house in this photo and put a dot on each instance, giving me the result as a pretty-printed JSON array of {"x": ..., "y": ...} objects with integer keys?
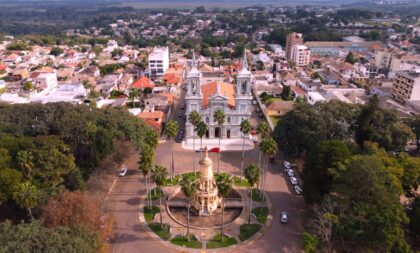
[{"x": 279, "y": 108}]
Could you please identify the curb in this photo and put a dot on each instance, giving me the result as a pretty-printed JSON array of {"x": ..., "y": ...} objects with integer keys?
[{"x": 240, "y": 245}]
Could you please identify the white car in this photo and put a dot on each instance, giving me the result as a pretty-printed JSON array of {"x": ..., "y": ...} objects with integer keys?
[
  {"x": 254, "y": 138},
  {"x": 293, "y": 180},
  {"x": 284, "y": 218},
  {"x": 298, "y": 190},
  {"x": 290, "y": 172},
  {"x": 123, "y": 171}
]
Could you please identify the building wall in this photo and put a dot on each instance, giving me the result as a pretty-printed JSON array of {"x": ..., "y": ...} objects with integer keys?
[
  {"x": 292, "y": 39},
  {"x": 406, "y": 87},
  {"x": 159, "y": 61}
]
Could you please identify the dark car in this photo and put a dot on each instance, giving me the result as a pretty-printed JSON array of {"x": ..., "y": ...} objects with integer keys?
[{"x": 272, "y": 159}]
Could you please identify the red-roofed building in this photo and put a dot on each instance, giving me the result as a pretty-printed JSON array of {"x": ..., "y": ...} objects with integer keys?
[
  {"x": 142, "y": 82},
  {"x": 153, "y": 119}
]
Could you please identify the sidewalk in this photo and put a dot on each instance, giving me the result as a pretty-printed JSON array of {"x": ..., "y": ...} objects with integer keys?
[{"x": 225, "y": 144}]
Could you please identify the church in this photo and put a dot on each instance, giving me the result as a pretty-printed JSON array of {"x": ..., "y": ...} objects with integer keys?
[{"x": 206, "y": 98}]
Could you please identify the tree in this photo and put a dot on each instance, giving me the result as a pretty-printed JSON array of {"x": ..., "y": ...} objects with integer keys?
[
  {"x": 159, "y": 175},
  {"x": 415, "y": 127},
  {"x": 252, "y": 174},
  {"x": 245, "y": 129},
  {"x": 194, "y": 118},
  {"x": 310, "y": 243},
  {"x": 188, "y": 187},
  {"x": 28, "y": 86},
  {"x": 133, "y": 94},
  {"x": 145, "y": 164},
  {"x": 171, "y": 130},
  {"x": 269, "y": 148},
  {"x": 350, "y": 58},
  {"x": 9, "y": 178},
  {"x": 26, "y": 195},
  {"x": 326, "y": 221},
  {"x": 321, "y": 167},
  {"x": 264, "y": 131},
  {"x": 370, "y": 195},
  {"x": 25, "y": 161},
  {"x": 414, "y": 215},
  {"x": 73, "y": 208},
  {"x": 201, "y": 131},
  {"x": 224, "y": 186},
  {"x": 259, "y": 65},
  {"x": 286, "y": 93},
  {"x": 219, "y": 117},
  {"x": 56, "y": 51}
]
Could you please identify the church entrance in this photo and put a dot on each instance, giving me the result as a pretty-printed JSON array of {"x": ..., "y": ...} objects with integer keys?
[
  {"x": 207, "y": 134},
  {"x": 217, "y": 132},
  {"x": 228, "y": 133}
]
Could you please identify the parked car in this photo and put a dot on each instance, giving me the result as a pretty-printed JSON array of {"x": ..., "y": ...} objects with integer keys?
[
  {"x": 284, "y": 218},
  {"x": 272, "y": 159},
  {"x": 123, "y": 171},
  {"x": 200, "y": 150},
  {"x": 254, "y": 138},
  {"x": 293, "y": 180},
  {"x": 253, "y": 131},
  {"x": 261, "y": 115},
  {"x": 254, "y": 102},
  {"x": 298, "y": 190},
  {"x": 290, "y": 172},
  {"x": 287, "y": 165}
]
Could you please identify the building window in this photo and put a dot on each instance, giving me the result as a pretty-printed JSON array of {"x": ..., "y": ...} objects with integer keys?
[
  {"x": 207, "y": 120},
  {"x": 228, "y": 120}
]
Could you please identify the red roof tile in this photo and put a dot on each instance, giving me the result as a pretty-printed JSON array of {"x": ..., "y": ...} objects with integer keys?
[{"x": 142, "y": 82}]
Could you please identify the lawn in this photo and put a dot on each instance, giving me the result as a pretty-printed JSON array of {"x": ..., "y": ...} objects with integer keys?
[
  {"x": 161, "y": 232},
  {"x": 149, "y": 213},
  {"x": 182, "y": 241},
  {"x": 275, "y": 119},
  {"x": 155, "y": 194},
  {"x": 256, "y": 195},
  {"x": 248, "y": 230},
  {"x": 216, "y": 242},
  {"x": 261, "y": 213},
  {"x": 237, "y": 181}
]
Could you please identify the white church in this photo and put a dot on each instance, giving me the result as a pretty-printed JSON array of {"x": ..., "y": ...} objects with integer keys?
[{"x": 206, "y": 98}]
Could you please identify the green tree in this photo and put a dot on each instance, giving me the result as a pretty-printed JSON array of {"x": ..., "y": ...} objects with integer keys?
[
  {"x": 245, "y": 129},
  {"x": 310, "y": 243},
  {"x": 188, "y": 187},
  {"x": 28, "y": 86},
  {"x": 286, "y": 93},
  {"x": 201, "y": 131},
  {"x": 414, "y": 215},
  {"x": 194, "y": 118},
  {"x": 133, "y": 94},
  {"x": 9, "y": 178},
  {"x": 171, "y": 130},
  {"x": 159, "y": 176},
  {"x": 252, "y": 174},
  {"x": 224, "y": 186},
  {"x": 25, "y": 161},
  {"x": 350, "y": 58},
  {"x": 415, "y": 127},
  {"x": 269, "y": 148},
  {"x": 26, "y": 196},
  {"x": 219, "y": 116},
  {"x": 320, "y": 168},
  {"x": 145, "y": 164},
  {"x": 56, "y": 51},
  {"x": 264, "y": 131}
]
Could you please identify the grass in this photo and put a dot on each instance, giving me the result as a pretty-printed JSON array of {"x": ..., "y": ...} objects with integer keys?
[
  {"x": 161, "y": 232},
  {"x": 172, "y": 181},
  {"x": 216, "y": 242},
  {"x": 256, "y": 195},
  {"x": 248, "y": 230},
  {"x": 275, "y": 119},
  {"x": 261, "y": 213},
  {"x": 237, "y": 181},
  {"x": 182, "y": 241},
  {"x": 155, "y": 194},
  {"x": 149, "y": 213}
]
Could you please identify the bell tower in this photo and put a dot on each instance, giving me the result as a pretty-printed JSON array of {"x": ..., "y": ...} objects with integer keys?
[
  {"x": 243, "y": 83},
  {"x": 193, "y": 80}
]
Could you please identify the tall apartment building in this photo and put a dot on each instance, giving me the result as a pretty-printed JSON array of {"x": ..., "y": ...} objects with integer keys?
[
  {"x": 301, "y": 55},
  {"x": 292, "y": 39},
  {"x": 406, "y": 87},
  {"x": 158, "y": 61}
]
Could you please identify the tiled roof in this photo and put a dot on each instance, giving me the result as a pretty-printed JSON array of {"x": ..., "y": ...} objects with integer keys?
[
  {"x": 226, "y": 89},
  {"x": 142, "y": 83},
  {"x": 172, "y": 78}
]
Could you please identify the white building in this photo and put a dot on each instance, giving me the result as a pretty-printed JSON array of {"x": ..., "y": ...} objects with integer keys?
[
  {"x": 301, "y": 55},
  {"x": 406, "y": 87},
  {"x": 158, "y": 61},
  {"x": 206, "y": 98},
  {"x": 313, "y": 97}
]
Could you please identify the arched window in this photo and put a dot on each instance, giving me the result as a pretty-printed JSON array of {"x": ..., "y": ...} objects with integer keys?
[
  {"x": 243, "y": 88},
  {"x": 228, "y": 120},
  {"x": 207, "y": 120}
]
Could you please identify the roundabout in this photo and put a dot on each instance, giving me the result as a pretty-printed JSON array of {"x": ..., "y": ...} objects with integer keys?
[{"x": 241, "y": 219}]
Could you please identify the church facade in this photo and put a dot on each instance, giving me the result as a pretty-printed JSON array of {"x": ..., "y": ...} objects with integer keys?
[{"x": 206, "y": 98}]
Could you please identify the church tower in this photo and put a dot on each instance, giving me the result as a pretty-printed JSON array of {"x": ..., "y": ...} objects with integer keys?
[
  {"x": 193, "y": 80},
  {"x": 243, "y": 90}
]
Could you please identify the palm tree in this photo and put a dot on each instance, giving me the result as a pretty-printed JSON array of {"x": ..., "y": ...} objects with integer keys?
[
  {"x": 133, "y": 94},
  {"x": 25, "y": 162},
  {"x": 26, "y": 196},
  {"x": 145, "y": 166},
  {"x": 188, "y": 187},
  {"x": 224, "y": 186},
  {"x": 201, "y": 131},
  {"x": 219, "y": 117},
  {"x": 269, "y": 148},
  {"x": 264, "y": 131},
  {"x": 245, "y": 129},
  {"x": 194, "y": 118},
  {"x": 252, "y": 174},
  {"x": 171, "y": 130},
  {"x": 159, "y": 175}
]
